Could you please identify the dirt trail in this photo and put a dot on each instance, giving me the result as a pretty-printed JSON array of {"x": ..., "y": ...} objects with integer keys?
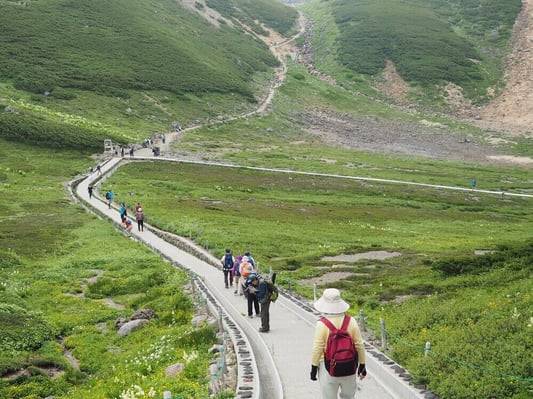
[{"x": 512, "y": 110}]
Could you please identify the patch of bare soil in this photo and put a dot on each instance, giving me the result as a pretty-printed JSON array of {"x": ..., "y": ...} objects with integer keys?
[
  {"x": 200, "y": 7},
  {"x": 512, "y": 110},
  {"x": 334, "y": 276},
  {"x": 404, "y": 138},
  {"x": 392, "y": 85},
  {"x": 326, "y": 278},
  {"x": 381, "y": 255}
]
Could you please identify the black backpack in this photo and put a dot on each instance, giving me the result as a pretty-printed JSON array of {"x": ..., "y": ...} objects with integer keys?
[{"x": 228, "y": 262}]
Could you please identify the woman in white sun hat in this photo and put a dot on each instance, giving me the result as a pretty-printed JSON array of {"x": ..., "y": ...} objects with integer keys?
[{"x": 333, "y": 308}]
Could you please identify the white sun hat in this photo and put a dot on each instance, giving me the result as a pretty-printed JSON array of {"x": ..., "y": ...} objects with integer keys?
[{"x": 331, "y": 302}]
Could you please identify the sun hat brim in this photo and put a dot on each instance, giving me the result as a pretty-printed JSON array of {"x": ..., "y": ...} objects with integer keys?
[{"x": 331, "y": 302}]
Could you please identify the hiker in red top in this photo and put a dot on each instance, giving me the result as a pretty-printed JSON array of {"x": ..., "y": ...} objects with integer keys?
[
  {"x": 334, "y": 308},
  {"x": 140, "y": 219}
]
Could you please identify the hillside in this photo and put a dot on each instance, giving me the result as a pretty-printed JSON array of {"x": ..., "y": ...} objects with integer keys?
[
  {"x": 67, "y": 277},
  {"x": 109, "y": 47},
  {"x": 498, "y": 100},
  {"x": 129, "y": 65}
]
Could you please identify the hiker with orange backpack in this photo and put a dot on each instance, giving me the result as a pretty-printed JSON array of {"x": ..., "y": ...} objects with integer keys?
[{"x": 338, "y": 354}]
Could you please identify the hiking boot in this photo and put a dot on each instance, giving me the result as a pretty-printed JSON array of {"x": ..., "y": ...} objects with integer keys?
[
  {"x": 264, "y": 330},
  {"x": 251, "y": 316}
]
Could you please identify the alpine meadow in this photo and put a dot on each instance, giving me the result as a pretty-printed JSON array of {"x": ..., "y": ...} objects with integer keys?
[{"x": 353, "y": 129}]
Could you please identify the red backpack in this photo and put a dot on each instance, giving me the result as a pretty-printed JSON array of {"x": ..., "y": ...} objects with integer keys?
[{"x": 340, "y": 357}]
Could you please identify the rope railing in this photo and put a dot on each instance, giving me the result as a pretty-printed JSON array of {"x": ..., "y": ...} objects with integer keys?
[{"x": 426, "y": 349}]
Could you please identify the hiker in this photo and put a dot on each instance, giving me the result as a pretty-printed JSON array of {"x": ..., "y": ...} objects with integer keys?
[
  {"x": 474, "y": 183},
  {"x": 131, "y": 151},
  {"x": 128, "y": 224},
  {"x": 258, "y": 288},
  {"x": 99, "y": 169},
  {"x": 140, "y": 219},
  {"x": 138, "y": 206},
  {"x": 109, "y": 197},
  {"x": 245, "y": 269},
  {"x": 123, "y": 212},
  {"x": 237, "y": 275},
  {"x": 334, "y": 308},
  {"x": 90, "y": 190},
  {"x": 250, "y": 289},
  {"x": 227, "y": 267},
  {"x": 250, "y": 259}
]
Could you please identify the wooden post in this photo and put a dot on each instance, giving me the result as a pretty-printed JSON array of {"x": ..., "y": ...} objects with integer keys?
[
  {"x": 383, "y": 334},
  {"x": 220, "y": 325},
  {"x": 362, "y": 324},
  {"x": 314, "y": 292},
  {"x": 224, "y": 352}
]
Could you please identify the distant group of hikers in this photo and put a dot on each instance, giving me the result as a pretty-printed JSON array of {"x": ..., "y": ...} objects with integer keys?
[
  {"x": 338, "y": 354},
  {"x": 123, "y": 211},
  {"x": 242, "y": 273},
  {"x": 139, "y": 216}
]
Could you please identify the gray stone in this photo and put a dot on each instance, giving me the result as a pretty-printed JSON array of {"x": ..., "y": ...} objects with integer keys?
[
  {"x": 127, "y": 328},
  {"x": 174, "y": 369}
]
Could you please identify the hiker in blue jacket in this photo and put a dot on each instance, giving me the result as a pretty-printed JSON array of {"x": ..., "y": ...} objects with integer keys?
[{"x": 257, "y": 288}]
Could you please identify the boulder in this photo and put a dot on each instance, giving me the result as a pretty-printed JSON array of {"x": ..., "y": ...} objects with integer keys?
[{"x": 130, "y": 326}]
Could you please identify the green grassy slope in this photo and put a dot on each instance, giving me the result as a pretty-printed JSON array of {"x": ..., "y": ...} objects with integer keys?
[
  {"x": 475, "y": 310},
  {"x": 124, "y": 44},
  {"x": 123, "y": 69},
  {"x": 270, "y": 13},
  {"x": 429, "y": 42},
  {"x": 50, "y": 248}
]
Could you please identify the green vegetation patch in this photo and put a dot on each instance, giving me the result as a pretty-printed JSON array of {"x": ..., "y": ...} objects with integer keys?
[
  {"x": 271, "y": 13},
  {"x": 127, "y": 44},
  {"x": 13, "y": 320},
  {"x": 31, "y": 128},
  {"x": 290, "y": 222},
  {"x": 429, "y": 42},
  {"x": 66, "y": 277}
]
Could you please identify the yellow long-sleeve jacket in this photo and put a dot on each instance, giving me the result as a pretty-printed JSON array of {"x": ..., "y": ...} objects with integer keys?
[{"x": 322, "y": 334}]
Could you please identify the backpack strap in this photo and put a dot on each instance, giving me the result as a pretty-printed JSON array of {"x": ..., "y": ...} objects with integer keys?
[
  {"x": 345, "y": 323},
  {"x": 332, "y": 328},
  {"x": 328, "y": 324}
]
